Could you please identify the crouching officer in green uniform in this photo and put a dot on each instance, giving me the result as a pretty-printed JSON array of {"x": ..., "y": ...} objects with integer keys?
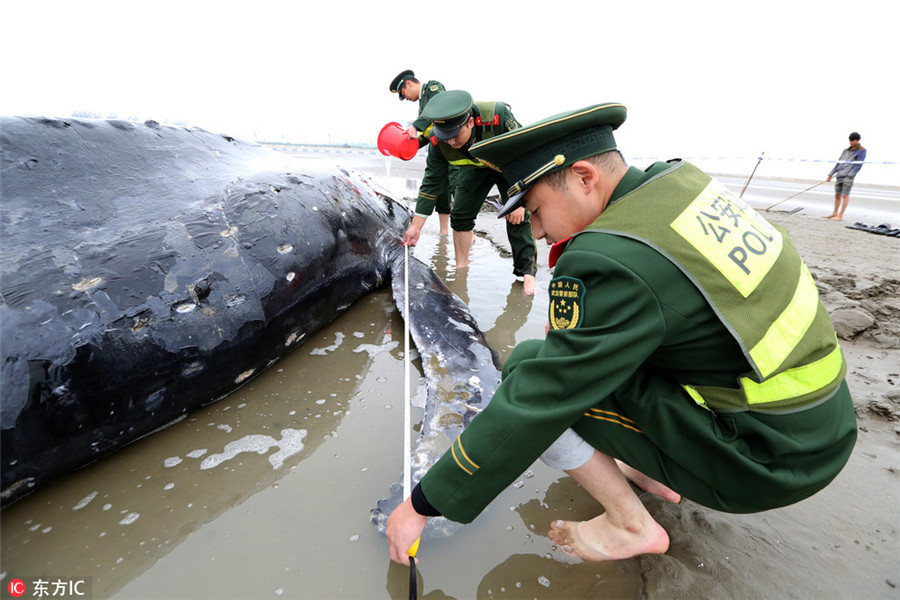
[
  {"x": 407, "y": 87},
  {"x": 687, "y": 350},
  {"x": 460, "y": 122}
]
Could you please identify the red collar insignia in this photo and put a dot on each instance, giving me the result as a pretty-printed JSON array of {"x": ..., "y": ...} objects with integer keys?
[{"x": 557, "y": 249}]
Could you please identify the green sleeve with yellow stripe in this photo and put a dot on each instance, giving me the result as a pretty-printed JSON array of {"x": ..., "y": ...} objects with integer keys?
[{"x": 619, "y": 326}]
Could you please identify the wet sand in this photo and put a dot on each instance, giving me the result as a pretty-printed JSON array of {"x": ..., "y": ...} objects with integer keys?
[{"x": 266, "y": 493}]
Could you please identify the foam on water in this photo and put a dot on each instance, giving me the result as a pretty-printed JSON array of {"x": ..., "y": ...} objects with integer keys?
[
  {"x": 290, "y": 444},
  {"x": 338, "y": 339}
]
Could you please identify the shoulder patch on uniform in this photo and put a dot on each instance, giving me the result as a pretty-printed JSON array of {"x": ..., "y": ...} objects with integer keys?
[
  {"x": 434, "y": 87},
  {"x": 566, "y": 302}
]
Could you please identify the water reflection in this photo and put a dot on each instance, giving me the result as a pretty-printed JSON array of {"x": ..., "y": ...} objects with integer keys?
[
  {"x": 540, "y": 577},
  {"x": 480, "y": 286},
  {"x": 118, "y": 516}
]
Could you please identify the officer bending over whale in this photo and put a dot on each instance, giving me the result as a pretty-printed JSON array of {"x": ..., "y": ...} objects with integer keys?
[
  {"x": 460, "y": 122},
  {"x": 687, "y": 351}
]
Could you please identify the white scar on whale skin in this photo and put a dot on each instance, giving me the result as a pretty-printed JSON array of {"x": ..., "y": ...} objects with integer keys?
[
  {"x": 294, "y": 338},
  {"x": 244, "y": 376},
  {"x": 87, "y": 284}
]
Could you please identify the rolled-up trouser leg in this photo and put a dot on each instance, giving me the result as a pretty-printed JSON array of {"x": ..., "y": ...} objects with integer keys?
[{"x": 568, "y": 452}]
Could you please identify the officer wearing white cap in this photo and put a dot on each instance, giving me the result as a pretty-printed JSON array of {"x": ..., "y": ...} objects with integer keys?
[{"x": 686, "y": 351}]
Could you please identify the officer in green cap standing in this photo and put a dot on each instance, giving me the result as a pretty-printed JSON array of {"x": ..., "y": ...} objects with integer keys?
[
  {"x": 407, "y": 87},
  {"x": 687, "y": 351},
  {"x": 458, "y": 123}
]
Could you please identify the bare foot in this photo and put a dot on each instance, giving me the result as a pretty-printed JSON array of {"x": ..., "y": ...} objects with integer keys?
[
  {"x": 836, "y": 218},
  {"x": 529, "y": 284},
  {"x": 831, "y": 216},
  {"x": 647, "y": 484},
  {"x": 599, "y": 540}
]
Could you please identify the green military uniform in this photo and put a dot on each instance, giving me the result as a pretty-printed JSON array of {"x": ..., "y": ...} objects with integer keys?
[
  {"x": 475, "y": 179},
  {"x": 443, "y": 190},
  {"x": 650, "y": 360},
  {"x": 429, "y": 90}
]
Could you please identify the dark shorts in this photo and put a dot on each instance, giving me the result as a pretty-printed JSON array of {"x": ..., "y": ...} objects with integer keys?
[
  {"x": 472, "y": 188},
  {"x": 445, "y": 200},
  {"x": 734, "y": 462},
  {"x": 842, "y": 186}
]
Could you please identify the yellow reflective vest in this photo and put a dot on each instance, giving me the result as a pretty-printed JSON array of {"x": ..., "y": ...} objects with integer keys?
[{"x": 753, "y": 278}]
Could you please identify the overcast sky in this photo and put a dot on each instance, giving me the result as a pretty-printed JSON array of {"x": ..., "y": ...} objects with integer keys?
[{"x": 790, "y": 78}]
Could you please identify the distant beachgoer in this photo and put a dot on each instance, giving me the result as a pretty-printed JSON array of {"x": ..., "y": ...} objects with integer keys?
[{"x": 847, "y": 167}]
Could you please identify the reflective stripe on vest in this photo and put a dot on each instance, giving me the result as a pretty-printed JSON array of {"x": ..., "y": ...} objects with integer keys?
[
  {"x": 789, "y": 328},
  {"x": 795, "y": 382},
  {"x": 750, "y": 274},
  {"x": 462, "y": 161},
  {"x": 696, "y": 396},
  {"x": 786, "y": 385}
]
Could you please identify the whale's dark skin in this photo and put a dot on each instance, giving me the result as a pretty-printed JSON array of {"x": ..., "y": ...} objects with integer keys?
[{"x": 147, "y": 270}]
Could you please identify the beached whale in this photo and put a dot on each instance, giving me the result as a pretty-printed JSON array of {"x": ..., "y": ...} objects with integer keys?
[{"x": 147, "y": 270}]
